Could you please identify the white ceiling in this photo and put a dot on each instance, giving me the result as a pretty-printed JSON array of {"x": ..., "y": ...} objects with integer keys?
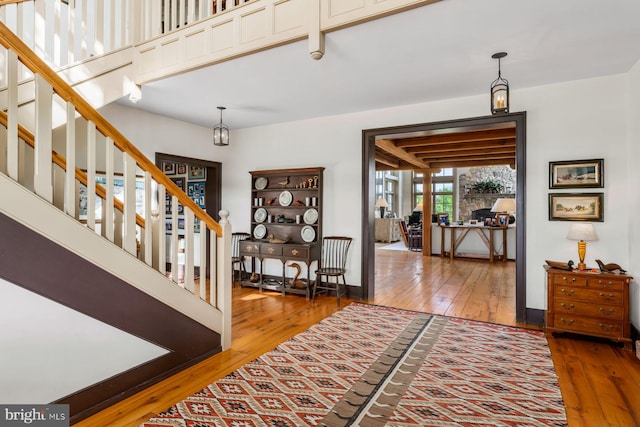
[{"x": 434, "y": 52}]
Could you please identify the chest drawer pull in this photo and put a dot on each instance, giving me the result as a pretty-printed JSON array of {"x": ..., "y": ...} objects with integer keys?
[
  {"x": 565, "y": 321},
  {"x": 572, "y": 291},
  {"x": 606, "y": 327},
  {"x": 563, "y": 305},
  {"x": 610, "y": 311},
  {"x": 573, "y": 279},
  {"x": 610, "y": 296}
]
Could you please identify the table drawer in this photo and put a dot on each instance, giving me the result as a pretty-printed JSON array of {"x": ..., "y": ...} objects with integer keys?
[
  {"x": 594, "y": 296},
  {"x": 299, "y": 252},
  {"x": 581, "y": 308},
  {"x": 607, "y": 283},
  {"x": 598, "y": 327},
  {"x": 249, "y": 248},
  {"x": 272, "y": 250},
  {"x": 569, "y": 279}
]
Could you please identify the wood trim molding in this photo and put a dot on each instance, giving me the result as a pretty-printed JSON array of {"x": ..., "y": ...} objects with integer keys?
[{"x": 368, "y": 196}]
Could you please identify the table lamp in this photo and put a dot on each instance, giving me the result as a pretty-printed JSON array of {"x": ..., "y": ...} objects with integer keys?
[
  {"x": 504, "y": 205},
  {"x": 382, "y": 204},
  {"x": 582, "y": 232}
]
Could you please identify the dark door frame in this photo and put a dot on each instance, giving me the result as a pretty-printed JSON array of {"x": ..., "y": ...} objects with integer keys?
[{"x": 368, "y": 197}]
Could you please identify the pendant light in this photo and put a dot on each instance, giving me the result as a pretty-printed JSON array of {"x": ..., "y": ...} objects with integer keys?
[
  {"x": 221, "y": 132},
  {"x": 499, "y": 89}
]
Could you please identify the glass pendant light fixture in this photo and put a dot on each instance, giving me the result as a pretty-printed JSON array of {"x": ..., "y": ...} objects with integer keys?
[
  {"x": 221, "y": 132},
  {"x": 499, "y": 89}
]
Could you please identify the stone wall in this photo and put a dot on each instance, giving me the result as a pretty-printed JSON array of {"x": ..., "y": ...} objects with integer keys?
[{"x": 469, "y": 200}]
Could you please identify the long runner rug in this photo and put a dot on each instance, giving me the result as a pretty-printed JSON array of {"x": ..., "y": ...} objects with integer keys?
[{"x": 370, "y": 365}]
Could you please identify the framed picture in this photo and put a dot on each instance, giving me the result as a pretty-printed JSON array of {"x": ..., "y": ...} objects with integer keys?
[
  {"x": 443, "y": 218},
  {"x": 197, "y": 172},
  {"x": 502, "y": 219},
  {"x": 488, "y": 221},
  {"x": 576, "y": 207},
  {"x": 182, "y": 169},
  {"x": 169, "y": 168},
  {"x": 577, "y": 174},
  {"x": 179, "y": 182}
]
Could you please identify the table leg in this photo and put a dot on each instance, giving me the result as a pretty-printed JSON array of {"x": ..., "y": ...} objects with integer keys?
[
  {"x": 504, "y": 245},
  {"x": 491, "y": 230},
  {"x": 452, "y": 246}
]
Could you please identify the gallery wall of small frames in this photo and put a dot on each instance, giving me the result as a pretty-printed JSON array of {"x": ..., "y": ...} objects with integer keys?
[{"x": 191, "y": 179}]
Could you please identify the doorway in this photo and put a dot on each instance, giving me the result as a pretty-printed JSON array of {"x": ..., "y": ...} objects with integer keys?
[{"x": 368, "y": 196}]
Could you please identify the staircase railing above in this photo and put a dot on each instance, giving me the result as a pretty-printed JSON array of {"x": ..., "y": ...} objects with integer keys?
[
  {"x": 71, "y": 31},
  {"x": 137, "y": 222}
]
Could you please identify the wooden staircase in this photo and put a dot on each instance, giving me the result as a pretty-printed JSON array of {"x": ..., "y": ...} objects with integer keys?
[{"x": 120, "y": 244}]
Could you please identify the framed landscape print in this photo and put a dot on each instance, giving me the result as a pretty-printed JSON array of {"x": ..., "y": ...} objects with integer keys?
[
  {"x": 576, "y": 207},
  {"x": 577, "y": 174}
]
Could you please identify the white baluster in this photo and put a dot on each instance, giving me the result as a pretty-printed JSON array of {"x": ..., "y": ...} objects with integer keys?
[
  {"x": 42, "y": 173},
  {"x": 91, "y": 175},
  {"x": 148, "y": 229},
  {"x": 175, "y": 244},
  {"x": 56, "y": 59},
  {"x": 70, "y": 201},
  {"x": 12, "y": 112},
  {"x": 107, "y": 204},
  {"x": 174, "y": 15},
  {"x": 98, "y": 20},
  {"x": 203, "y": 261},
  {"x": 84, "y": 30},
  {"x": 160, "y": 240},
  {"x": 130, "y": 205},
  {"x": 39, "y": 41},
  {"x": 213, "y": 268},
  {"x": 191, "y": 11},
  {"x": 189, "y": 249},
  {"x": 71, "y": 34}
]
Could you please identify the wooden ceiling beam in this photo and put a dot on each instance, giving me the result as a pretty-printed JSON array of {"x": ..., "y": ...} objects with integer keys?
[
  {"x": 454, "y": 163},
  {"x": 389, "y": 147},
  {"x": 489, "y": 152},
  {"x": 505, "y": 158},
  {"x": 461, "y": 146},
  {"x": 455, "y": 137},
  {"x": 393, "y": 164}
]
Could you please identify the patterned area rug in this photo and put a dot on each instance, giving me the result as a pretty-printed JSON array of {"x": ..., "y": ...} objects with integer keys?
[{"x": 378, "y": 366}]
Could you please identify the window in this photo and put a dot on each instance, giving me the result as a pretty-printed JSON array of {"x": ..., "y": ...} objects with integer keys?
[
  {"x": 387, "y": 187},
  {"x": 442, "y": 191}
]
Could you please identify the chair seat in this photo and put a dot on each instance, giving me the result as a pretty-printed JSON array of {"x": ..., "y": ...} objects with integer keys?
[{"x": 331, "y": 271}]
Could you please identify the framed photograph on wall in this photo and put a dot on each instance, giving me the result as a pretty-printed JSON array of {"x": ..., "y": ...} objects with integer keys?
[
  {"x": 577, "y": 174},
  {"x": 576, "y": 207},
  {"x": 169, "y": 168},
  {"x": 197, "y": 172}
]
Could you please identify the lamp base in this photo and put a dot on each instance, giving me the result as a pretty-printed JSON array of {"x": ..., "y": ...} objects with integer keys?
[
  {"x": 582, "y": 266},
  {"x": 382, "y": 212}
]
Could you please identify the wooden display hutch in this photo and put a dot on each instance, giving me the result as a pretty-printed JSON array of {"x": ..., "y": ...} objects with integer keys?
[{"x": 286, "y": 224}]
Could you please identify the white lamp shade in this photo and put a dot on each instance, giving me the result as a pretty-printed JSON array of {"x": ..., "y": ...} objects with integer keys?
[
  {"x": 418, "y": 208},
  {"x": 582, "y": 231},
  {"x": 504, "y": 205},
  {"x": 381, "y": 203}
]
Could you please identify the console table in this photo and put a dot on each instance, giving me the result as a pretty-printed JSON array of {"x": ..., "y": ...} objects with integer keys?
[
  {"x": 486, "y": 235},
  {"x": 300, "y": 252},
  {"x": 588, "y": 303}
]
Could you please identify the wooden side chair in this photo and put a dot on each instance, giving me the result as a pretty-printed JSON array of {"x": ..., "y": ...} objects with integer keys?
[
  {"x": 332, "y": 264},
  {"x": 236, "y": 259},
  {"x": 404, "y": 232}
]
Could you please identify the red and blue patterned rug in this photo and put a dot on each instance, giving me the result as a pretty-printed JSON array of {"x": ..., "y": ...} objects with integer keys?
[{"x": 369, "y": 365}]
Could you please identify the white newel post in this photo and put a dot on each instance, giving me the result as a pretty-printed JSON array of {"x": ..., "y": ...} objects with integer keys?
[{"x": 223, "y": 282}]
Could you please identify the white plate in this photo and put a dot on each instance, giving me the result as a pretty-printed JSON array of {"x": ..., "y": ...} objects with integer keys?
[
  {"x": 310, "y": 216},
  {"x": 308, "y": 233},
  {"x": 260, "y": 231},
  {"x": 285, "y": 198},
  {"x": 261, "y": 183},
  {"x": 260, "y": 215}
]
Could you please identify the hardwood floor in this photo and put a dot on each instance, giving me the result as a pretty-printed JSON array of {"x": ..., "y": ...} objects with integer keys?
[{"x": 600, "y": 381}]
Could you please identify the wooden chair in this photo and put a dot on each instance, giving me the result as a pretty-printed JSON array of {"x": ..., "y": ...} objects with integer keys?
[
  {"x": 236, "y": 238},
  {"x": 404, "y": 232},
  {"x": 332, "y": 264}
]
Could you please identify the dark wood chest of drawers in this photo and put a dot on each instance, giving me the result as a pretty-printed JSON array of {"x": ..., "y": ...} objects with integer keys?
[{"x": 583, "y": 302}]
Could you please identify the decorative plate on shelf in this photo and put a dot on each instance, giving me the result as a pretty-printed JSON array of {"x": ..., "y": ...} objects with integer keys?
[
  {"x": 261, "y": 183},
  {"x": 310, "y": 216},
  {"x": 260, "y": 231},
  {"x": 260, "y": 215},
  {"x": 285, "y": 198},
  {"x": 308, "y": 233}
]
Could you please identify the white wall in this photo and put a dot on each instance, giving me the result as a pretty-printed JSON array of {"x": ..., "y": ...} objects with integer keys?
[
  {"x": 633, "y": 190},
  {"x": 576, "y": 120}
]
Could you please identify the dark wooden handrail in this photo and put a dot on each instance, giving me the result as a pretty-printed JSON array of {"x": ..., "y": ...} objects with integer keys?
[{"x": 30, "y": 60}]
